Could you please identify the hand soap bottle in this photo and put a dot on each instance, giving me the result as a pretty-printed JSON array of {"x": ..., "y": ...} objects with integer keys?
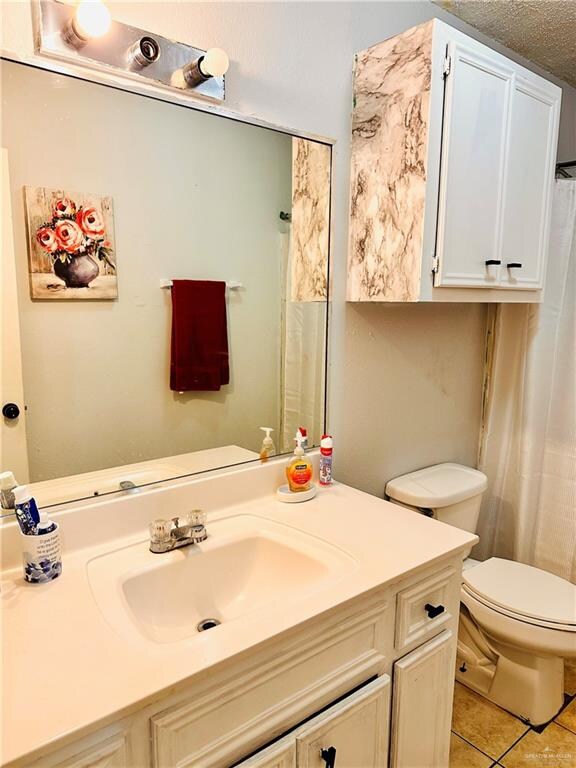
[
  {"x": 299, "y": 468},
  {"x": 268, "y": 449}
]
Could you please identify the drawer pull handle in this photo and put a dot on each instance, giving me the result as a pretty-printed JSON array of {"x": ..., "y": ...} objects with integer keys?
[
  {"x": 433, "y": 610},
  {"x": 492, "y": 262},
  {"x": 514, "y": 265},
  {"x": 329, "y": 756}
]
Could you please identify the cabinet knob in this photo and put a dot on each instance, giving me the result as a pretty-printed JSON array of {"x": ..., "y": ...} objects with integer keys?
[
  {"x": 433, "y": 610},
  {"x": 492, "y": 262},
  {"x": 329, "y": 756},
  {"x": 514, "y": 265},
  {"x": 10, "y": 411}
]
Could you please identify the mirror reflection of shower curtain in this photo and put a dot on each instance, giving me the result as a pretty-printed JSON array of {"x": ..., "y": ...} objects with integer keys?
[{"x": 301, "y": 360}]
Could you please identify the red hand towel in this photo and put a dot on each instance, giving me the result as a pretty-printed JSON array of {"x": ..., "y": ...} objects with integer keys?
[{"x": 199, "y": 359}]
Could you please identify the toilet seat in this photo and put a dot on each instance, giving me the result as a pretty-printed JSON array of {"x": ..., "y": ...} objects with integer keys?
[{"x": 523, "y": 592}]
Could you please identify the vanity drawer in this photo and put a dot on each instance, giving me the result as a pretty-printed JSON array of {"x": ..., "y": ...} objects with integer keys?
[
  {"x": 423, "y": 608},
  {"x": 253, "y": 705}
]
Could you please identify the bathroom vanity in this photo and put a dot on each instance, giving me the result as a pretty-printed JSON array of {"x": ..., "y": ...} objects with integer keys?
[
  {"x": 332, "y": 623},
  {"x": 337, "y": 638}
]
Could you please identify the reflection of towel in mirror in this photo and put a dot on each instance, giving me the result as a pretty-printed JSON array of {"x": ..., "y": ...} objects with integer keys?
[{"x": 199, "y": 347}]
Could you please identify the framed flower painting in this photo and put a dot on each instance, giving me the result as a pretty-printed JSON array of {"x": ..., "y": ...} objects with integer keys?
[{"x": 71, "y": 249}]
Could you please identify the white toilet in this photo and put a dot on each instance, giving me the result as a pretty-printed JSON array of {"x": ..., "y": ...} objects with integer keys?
[{"x": 517, "y": 622}]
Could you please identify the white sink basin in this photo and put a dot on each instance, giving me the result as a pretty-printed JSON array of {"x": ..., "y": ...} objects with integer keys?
[{"x": 246, "y": 564}]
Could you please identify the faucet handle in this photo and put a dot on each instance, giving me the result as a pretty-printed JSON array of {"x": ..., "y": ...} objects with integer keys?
[
  {"x": 196, "y": 517},
  {"x": 160, "y": 531}
]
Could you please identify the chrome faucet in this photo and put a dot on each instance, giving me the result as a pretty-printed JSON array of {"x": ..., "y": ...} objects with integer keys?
[{"x": 166, "y": 535}]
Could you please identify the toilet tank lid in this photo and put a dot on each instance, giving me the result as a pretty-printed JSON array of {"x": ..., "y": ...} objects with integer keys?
[{"x": 437, "y": 486}]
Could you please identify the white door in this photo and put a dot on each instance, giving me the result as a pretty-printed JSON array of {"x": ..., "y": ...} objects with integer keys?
[
  {"x": 474, "y": 140},
  {"x": 529, "y": 179},
  {"x": 422, "y": 705},
  {"x": 13, "y": 450},
  {"x": 351, "y": 734}
]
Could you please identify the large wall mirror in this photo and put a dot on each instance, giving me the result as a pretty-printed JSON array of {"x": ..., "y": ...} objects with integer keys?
[{"x": 112, "y": 195}]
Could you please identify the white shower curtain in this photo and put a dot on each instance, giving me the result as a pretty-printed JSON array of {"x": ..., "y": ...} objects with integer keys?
[
  {"x": 303, "y": 327},
  {"x": 528, "y": 446}
]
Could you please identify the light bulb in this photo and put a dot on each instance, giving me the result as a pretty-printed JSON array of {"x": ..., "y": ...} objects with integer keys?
[
  {"x": 92, "y": 19},
  {"x": 215, "y": 62}
]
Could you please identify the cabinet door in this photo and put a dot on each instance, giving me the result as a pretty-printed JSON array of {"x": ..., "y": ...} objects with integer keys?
[
  {"x": 529, "y": 179},
  {"x": 422, "y": 705},
  {"x": 279, "y": 755},
  {"x": 106, "y": 753},
  {"x": 353, "y": 732},
  {"x": 474, "y": 140}
]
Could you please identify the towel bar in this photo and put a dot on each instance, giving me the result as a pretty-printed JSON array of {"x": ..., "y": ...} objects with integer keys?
[{"x": 232, "y": 285}]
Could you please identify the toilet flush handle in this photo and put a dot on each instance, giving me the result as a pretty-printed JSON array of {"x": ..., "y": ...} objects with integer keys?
[{"x": 433, "y": 610}]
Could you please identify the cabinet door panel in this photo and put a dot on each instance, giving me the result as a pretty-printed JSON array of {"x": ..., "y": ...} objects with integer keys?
[
  {"x": 530, "y": 173},
  {"x": 422, "y": 705},
  {"x": 279, "y": 755},
  {"x": 275, "y": 692},
  {"x": 474, "y": 137},
  {"x": 107, "y": 753},
  {"x": 357, "y": 728}
]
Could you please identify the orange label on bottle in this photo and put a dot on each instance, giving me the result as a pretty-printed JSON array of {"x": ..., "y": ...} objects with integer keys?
[{"x": 301, "y": 474}]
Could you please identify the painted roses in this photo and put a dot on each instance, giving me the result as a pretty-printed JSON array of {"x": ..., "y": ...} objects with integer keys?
[
  {"x": 47, "y": 239},
  {"x": 74, "y": 231},
  {"x": 70, "y": 244},
  {"x": 69, "y": 236},
  {"x": 91, "y": 222},
  {"x": 64, "y": 207}
]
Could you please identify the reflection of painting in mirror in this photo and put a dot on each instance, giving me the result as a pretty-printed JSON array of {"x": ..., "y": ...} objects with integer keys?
[
  {"x": 70, "y": 245},
  {"x": 196, "y": 197}
]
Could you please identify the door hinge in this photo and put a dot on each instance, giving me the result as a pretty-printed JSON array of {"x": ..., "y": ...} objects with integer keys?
[
  {"x": 446, "y": 66},
  {"x": 434, "y": 264}
]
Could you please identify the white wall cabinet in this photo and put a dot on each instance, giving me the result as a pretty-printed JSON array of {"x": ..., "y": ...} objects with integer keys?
[{"x": 453, "y": 152}]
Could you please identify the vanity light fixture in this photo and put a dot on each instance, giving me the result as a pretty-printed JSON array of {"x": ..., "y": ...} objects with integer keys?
[
  {"x": 84, "y": 34},
  {"x": 91, "y": 19},
  {"x": 214, "y": 63},
  {"x": 143, "y": 52}
]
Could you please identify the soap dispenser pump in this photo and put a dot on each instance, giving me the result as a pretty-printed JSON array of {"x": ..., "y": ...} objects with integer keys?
[
  {"x": 268, "y": 448},
  {"x": 299, "y": 475},
  {"x": 299, "y": 468}
]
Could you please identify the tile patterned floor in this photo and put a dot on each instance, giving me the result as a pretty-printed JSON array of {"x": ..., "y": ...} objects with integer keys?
[{"x": 485, "y": 736}]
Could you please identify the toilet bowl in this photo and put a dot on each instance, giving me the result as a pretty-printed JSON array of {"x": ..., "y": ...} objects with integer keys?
[{"x": 517, "y": 622}]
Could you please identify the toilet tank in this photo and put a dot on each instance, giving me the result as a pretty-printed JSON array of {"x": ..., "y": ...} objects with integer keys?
[{"x": 452, "y": 492}]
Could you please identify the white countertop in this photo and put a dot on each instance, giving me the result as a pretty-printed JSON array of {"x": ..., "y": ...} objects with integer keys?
[
  {"x": 65, "y": 668},
  {"x": 81, "y": 486}
]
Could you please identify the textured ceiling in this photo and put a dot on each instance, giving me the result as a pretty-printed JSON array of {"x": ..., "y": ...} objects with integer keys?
[{"x": 543, "y": 31}]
